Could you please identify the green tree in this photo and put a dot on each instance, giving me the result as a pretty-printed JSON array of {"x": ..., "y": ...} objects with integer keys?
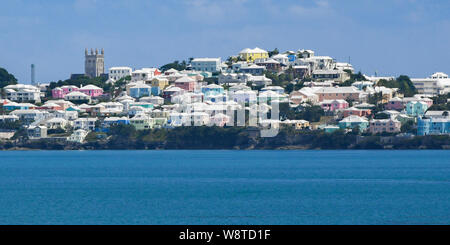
[
  {"x": 403, "y": 83},
  {"x": 177, "y": 65},
  {"x": 6, "y": 78},
  {"x": 274, "y": 52}
]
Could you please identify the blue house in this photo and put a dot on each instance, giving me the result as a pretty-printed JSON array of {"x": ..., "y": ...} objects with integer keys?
[
  {"x": 212, "y": 89},
  {"x": 156, "y": 91},
  {"x": 140, "y": 90},
  {"x": 427, "y": 126}
]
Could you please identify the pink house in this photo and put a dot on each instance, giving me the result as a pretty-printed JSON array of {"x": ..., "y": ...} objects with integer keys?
[
  {"x": 186, "y": 83},
  {"x": 333, "y": 105},
  {"x": 58, "y": 93},
  {"x": 91, "y": 90},
  {"x": 384, "y": 125},
  {"x": 394, "y": 104},
  {"x": 352, "y": 111}
]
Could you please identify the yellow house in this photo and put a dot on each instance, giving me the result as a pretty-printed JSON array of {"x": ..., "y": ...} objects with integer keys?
[
  {"x": 298, "y": 124},
  {"x": 251, "y": 55},
  {"x": 162, "y": 83}
]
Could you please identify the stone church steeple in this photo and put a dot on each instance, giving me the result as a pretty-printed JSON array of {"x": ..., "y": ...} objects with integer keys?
[{"x": 94, "y": 64}]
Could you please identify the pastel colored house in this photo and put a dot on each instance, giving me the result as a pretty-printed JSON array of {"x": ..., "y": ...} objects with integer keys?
[
  {"x": 109, "y": 121},
  {"x": 333, "y": 105},
  {"x": 270, "y": 65},
  {"x": 78, "y": 136},
  {"x": 416, "y": 108},
  {"x": 251, "y": 55},
  {"x": 338, "y": 93},
  {"x": 159, "y": 82},
  {"x": 433, "y": 125},
  {"x": 394, "y": 104},
  {"x": 56, "y": 123},
  {"x": 30, "y": 116},
  {"x": 303, "y": 95},
  {"x": 180, "y": 119},
  {"x": 87, "y": 124},
  {"x": 116, "y": 73},
  {"x": 206, "y": 64},
  {"x": 335, "y": 75},
  {"x": 142, "y": 121},
  {"x": 172, "y": 91},
  {"x": 37, "y": 132},
  {"x": 212, "y": 89},
  {"x": 140, "y": 90},
  {"x": 77, "y": 97},
  {"x": 357, "y": 112},
  {"x": 11, "y": 106},
  {"x": 215, "y": 97},
  {"x": 8, "y": 118},
  {"x": 253, "y": 69},
  {"x": 144, "y": 74},
  {"x": 219, "y": 119},
  {"x": 354, "y": 121},
  {"x": 269, "y": 96},
  {"x": 330, "y": 128},
  {"x": 91, "y": 90},
  {"x": 243, "y": 96},
  {"x": 156, "y": 100},
  {"x": 186, "y": 83},
  {"x": 60, "y": 92},
  {"x": 276, "y": 89},
  {"x": 281, "y": 58},
  {"x": 384, "y": 125},
  {"x": 297, "y": 124}
]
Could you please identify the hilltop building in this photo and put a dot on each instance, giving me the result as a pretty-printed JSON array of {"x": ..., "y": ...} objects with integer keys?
[{"x": 94, "y": 63}]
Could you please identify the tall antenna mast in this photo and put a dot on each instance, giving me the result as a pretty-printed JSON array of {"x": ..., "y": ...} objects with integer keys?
[{"x": 33, "y": 82}]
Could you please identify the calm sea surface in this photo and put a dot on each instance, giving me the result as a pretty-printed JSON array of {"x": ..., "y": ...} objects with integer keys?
[{"x": 225, "y": 187}]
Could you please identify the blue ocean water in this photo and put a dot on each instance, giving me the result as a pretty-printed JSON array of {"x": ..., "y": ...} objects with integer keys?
[{"x": 225, "y": 187}]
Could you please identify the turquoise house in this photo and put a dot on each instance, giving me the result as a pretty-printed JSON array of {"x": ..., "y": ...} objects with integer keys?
[
  {"x": 416, "y": 108},
  {"x": 354, "y": 121},
  {"x": 330, "y": 128}
]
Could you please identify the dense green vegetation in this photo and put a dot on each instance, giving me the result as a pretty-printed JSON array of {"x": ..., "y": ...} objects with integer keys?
[
  {"x": 403, "y": 83},
  {"x": 353, "y": 78},
  {"x": 279, "y": 80},
  {"x": 440, "y": 103},
  {"x": 6, "y": 78},
  {"x": 177, "y": 65},
  {"x": 10, "y": 125},
  {"x": 274, "y": 52},
  {"x": 311, "y": 113}
]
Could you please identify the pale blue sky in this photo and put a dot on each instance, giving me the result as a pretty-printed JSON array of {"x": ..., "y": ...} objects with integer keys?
[{"x": 394, "y": 37}]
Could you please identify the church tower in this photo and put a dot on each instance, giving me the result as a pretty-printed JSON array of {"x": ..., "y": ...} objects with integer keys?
[{"x": 94, "y": 63}]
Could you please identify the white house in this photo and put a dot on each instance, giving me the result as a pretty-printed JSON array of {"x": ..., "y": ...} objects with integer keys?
[
  {"x": 78, "y": 136},
  {"x": 206, "y": 64},
  {"x": 85, "y": 123},
  {"x": 144, "y": 74},
  {"x": 436, "y": 84},
  {"x": 22, "y": 92},
  {"x": 119, "y": 72}
]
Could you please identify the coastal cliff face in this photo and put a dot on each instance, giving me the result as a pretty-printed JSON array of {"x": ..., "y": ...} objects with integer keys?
[{"x": 231, "y": 138}]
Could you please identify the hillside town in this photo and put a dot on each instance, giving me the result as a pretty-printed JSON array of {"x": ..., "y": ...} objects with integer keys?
[{"x": 311, "y": 93}]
